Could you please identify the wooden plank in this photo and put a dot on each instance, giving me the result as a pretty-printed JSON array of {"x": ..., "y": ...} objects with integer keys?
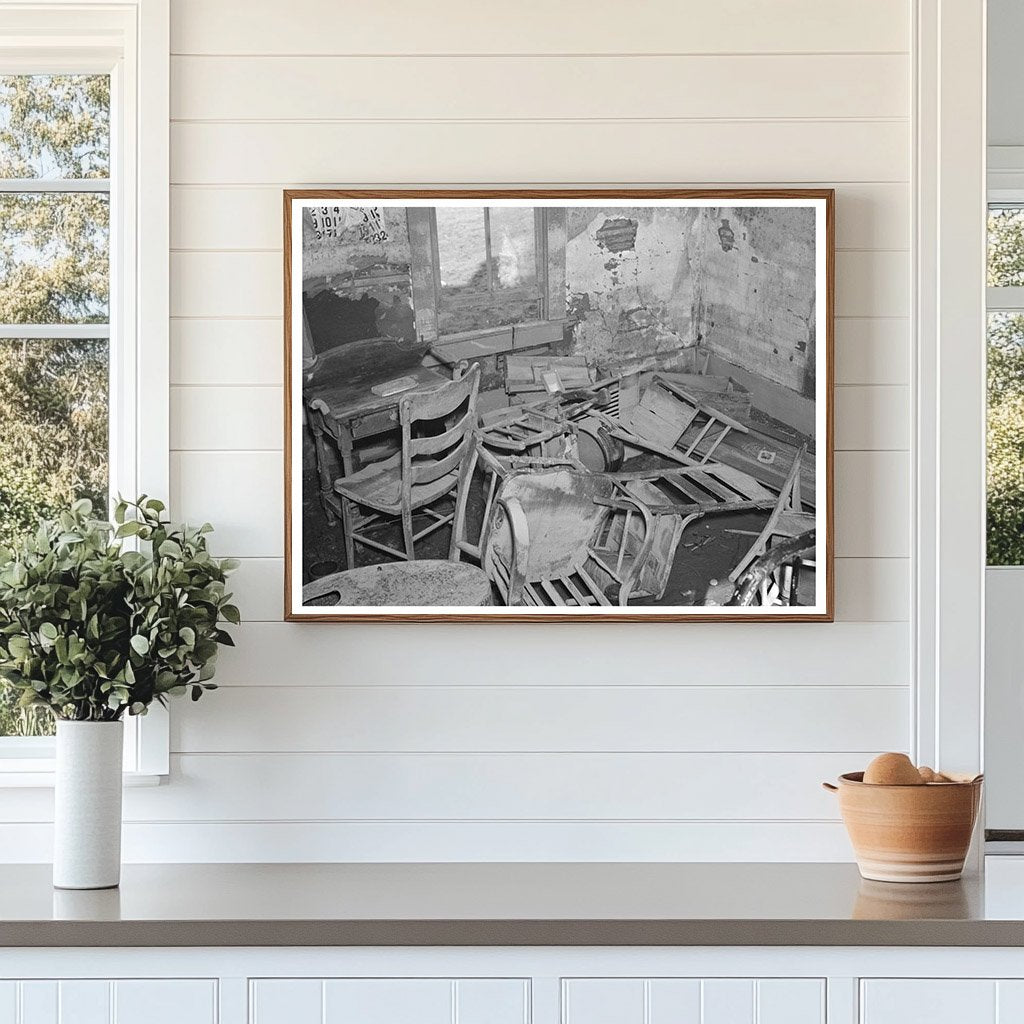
[
  {"x": 844, "y": 654},
  {"x": 328, "y": 88},
  {"x": 872, "y": 500},
  {"x": 531, "y": 335},
  {"x": 240, "y": 492},
  {"x": 234, "y": 418},
  {"x": 736, "y": 152},
  {"x": 872, "y": 350},
  {"x": 872, "y": 283},
  {"x": 731, "y": 26},
  {"x": 223, "y": 352},
  {"x": 648, "y": 426},
  {"x": 444, "y": 841},
  {"x": 740, "y": 481},
  {"x": 872, "y": 418},
  {"x": 627, "y": 718},
  {"x": 447, "y": 786}
]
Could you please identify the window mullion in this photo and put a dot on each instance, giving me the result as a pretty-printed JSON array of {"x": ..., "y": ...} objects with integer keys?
[
  {"x": 8, "y": 185},
  {"x": 62, "y": 332},
  {"x": 1005, "y": 299},
  {"x": 487, "y": 251}
]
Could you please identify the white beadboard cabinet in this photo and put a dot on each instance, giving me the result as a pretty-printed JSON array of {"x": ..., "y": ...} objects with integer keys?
[
  {"x": 513, "y": 985},
  {"x": 106, "y": 1001}
]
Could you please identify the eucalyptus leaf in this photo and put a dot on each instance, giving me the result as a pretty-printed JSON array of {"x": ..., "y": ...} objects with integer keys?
[{"x": 93, "y": 631}]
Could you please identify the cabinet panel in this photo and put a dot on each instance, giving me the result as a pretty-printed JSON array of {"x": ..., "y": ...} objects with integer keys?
[
  {"x": 165, "y": 1002},
  {"x": 84, "y": 1002},
  {"x": 674, "y": 1000},
  {"x": 101, "y": 1001},
  {"x": 728, "y": 1001},
  {"x": 790, "y": 1001},
  {"x": 492, "y": 1001},
  {"x": 929, "y": 1001},
  {"x": 603, "y": 1001},
  {"x": 389, "y": 1001},
  {"x": 8, "y": 1002},
  {"x": 38, "y": 1002},
  {"x": 693, "y": 1001}
]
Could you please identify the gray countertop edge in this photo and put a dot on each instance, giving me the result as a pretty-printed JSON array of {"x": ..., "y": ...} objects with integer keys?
[{"x": 34, "y": 934}]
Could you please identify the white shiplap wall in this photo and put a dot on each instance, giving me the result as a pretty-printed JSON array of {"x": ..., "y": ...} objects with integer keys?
[{"x": 688, "y": 741}]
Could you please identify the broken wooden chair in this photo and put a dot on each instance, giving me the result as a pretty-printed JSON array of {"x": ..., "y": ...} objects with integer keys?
[
  {"x": 431, "y": 467},
  {"x": 671, "y": 422},
  {"x": 786, "y": 521},
  {"x": 782, "y": 562},
  {"x": 547, "y": 541}
]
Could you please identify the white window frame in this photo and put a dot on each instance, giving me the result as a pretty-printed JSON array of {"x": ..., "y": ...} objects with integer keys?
[
  {"x": 130, "y": 41},
  {"x": 1005, "y": 805}
]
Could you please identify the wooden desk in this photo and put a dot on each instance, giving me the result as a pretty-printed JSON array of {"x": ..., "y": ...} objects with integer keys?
[{"x": 348, "y": 412}]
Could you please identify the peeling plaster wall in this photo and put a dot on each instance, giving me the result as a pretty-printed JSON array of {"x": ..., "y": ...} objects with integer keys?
[
  {"x": 632, "y": 299},
  {"x": 756, "y": 285},
  {"x": 352, "y": 244},
  {"x": 644, "y": 284}
]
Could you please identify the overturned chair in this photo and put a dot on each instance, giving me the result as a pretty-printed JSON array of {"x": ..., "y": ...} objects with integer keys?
[
  {"x": 431, "y": 467},
  {"x": 563, "y": 537}
]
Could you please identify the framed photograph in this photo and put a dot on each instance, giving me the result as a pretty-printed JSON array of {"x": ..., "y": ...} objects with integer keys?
[{"x": 558, "y": 405}]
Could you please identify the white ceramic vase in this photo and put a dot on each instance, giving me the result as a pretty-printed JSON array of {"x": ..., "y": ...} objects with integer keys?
[{"x": 87, "y": 807}]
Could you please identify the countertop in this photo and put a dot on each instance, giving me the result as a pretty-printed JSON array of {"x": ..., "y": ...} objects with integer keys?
[{"x": 511, "y": 904}]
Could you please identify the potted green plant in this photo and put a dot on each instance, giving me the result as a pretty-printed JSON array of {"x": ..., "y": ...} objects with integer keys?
[{"x": 99, "y": 620}]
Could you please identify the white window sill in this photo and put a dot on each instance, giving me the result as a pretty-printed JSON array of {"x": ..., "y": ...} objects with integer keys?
[{"x": 38, "y": 773}]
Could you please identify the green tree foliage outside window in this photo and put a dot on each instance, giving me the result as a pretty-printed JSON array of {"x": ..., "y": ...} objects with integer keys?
[
  {"x": 54, "y": 270},
  {"x": 1005, "y": 481}
]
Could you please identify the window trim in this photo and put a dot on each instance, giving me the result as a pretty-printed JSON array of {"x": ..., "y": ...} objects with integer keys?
[
  {"x": 538, "y": 293},
  {"x": 129, "y": 40}
]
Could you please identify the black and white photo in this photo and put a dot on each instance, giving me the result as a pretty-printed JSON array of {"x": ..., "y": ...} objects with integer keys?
[{"x": 579, "y": 405}]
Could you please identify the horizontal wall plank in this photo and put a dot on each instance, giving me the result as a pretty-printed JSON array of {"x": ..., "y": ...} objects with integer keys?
[
  {"x": 235, "y": 284},
  {"x": 867, "y": 589},
  {"x": 631, "y": 719},
  {"x": 534, "y": 26},
  {"x": 652, "y": 654},
  {"x": 873, "y": 504},
  {"x": 227, "y": 352},
  {"x": 872, "y": 590},
  {"x": 568, "y": 151},
  {"x": 258, "y": 586},
  {"x": 241, "y": 493},
  {"x": 251, "y": 418},
  {"x": 873, "y": 283},
  {"x": 538, "y": 88},
  {"x": 868, "y": 216},
  {"x": 376, "y": 787},
  {"x": 873, "y": 350},
  {"x": 458, "y": 842},
  {"x": 212, "y": 418},
  {"x": 872, "y": 418}
]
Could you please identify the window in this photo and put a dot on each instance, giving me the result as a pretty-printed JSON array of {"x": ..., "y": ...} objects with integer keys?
[
  {"x": 83, "y": 263},
  {"x": 54, "y": 308},
  {"x": 1005, "y": 476},
  {"x": 487, "y": 267}
]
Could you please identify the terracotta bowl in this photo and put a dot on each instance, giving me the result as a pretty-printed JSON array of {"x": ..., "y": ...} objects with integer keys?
[{"x": 909, "y": 833}]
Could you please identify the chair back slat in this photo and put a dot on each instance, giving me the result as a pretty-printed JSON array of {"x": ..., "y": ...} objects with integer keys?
[
  {"x": 429, "y": 470},
  {"x": 434, "y": 405},
  {"x": 419, "y": 446},
  {"x": 428, "y": 458}
]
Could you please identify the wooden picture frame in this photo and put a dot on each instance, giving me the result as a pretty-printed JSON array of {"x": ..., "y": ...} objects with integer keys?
[{"x": 436, "y": 306}]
